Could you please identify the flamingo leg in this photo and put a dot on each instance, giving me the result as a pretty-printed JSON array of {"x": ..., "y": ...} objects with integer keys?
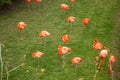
[
  {"x": 63, "y": 62},
  {"x": 100, "y": 63}
]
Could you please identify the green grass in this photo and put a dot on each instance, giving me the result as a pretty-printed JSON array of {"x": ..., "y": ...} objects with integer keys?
[{"x": 50, "y": 17}]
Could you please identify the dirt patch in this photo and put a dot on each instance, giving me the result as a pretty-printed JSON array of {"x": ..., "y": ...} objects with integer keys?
[
  {"x": 10, "y": 7},
  {"x": 116, "y": 49}
]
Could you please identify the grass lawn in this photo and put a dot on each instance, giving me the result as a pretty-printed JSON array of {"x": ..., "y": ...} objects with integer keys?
[{"x": 50, "y": 17}]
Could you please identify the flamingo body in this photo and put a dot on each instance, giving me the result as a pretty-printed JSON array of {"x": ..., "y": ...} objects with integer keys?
[
  {"x": 37, "y": 1},
  {"x": 28, "y": 1},
  {"x": 63, "y": 50},
  {"x": 76, "y": 60},
  {"x": 44, "y": 34},
  {"x": 65, "y": 38},
  {"x": 37, "y": 54},
  {"x": 86, "y": 21},
  {"x": 70, "y": 19},
  {"x": 73, "y": 1},
  {"x": 97, "y": 45},
  {"x": 64, "y": 6},
  {"x": 21, "y": 25}
]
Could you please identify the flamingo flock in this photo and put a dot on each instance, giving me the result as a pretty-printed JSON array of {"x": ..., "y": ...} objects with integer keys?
[{"x": 63, "y": 50}]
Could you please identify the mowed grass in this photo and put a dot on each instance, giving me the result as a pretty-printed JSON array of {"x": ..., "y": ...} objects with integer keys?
[{"x": 50, "y": 17}]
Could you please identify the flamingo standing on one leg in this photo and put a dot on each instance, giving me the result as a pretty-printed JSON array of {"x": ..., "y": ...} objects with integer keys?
[
  {"x": 76, "y": 61},
  {"x": 44, "y": 34},
  {"x": 85, "y": 22},
  {"x": 37, "y": 54},
  {"x": 28, "y": 2},
  {"x": 62, "y": 50},
  {"x": 70, "y": 19}
]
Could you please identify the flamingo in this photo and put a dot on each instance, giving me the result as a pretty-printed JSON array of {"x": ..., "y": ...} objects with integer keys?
[
  {"x": 38, "y": 1},
  {"x": 37, "y": 54},
  {"x": 21, "y": 25},
  {"x": 44, "y": 34},
  {"x": 70, "y": 19},
  {"x": 73, "y": 1},
  {"x": 62, "y": 51},
  {"x": 65, "y": 38},
  {"x": 76, "y": 61},
  {"x": 86, "y": 21},
  {"x": 65, "y": 7},
  {"x": 111, "y": 61},
  {"x": 102, "y": 55},
  {"x": 97, "y": 45},
  {"x": 28, "y": 1}
]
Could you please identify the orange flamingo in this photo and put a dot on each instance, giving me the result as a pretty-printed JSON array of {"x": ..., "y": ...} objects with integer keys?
[
  {"x": 21, "y": 25},
  {"x": 65, "y": 7},
  {"x": 65, "y": 38},
  {"x": 76, "y": 61},
  {"x": 86, "y": 21},
  {"x": 73, "y": 1},
  {"x": 70, "y": 19},
  {"x": 28, "y": 1},
  {"x": 97, "y": 45},
  {"x": 44, "y": 34},
  {"x": 111, "y": 61},
  {"x": 62, "y": 51},
  {"x": 37, "y": 54},
  {"x": 38, "y": 1},
  {"x": 102, "y": 55}
]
